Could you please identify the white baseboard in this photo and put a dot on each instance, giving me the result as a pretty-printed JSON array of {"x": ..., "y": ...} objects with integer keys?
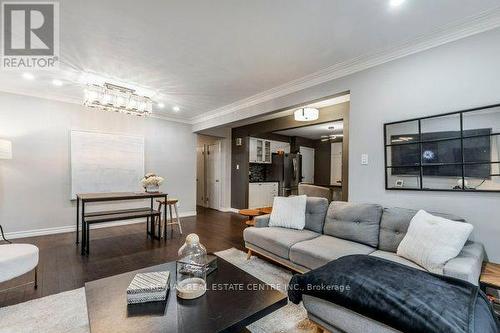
[{"x": 72, "y": 228}]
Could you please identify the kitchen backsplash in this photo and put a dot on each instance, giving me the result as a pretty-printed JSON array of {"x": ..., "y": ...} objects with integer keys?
[{"x": 257, "y": 172}]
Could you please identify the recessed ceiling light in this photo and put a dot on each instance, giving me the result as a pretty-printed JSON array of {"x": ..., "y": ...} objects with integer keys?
[
  {"x": 176, "y": 108},
  {"x": 396, "y": 3},
  {"x": 57, "y": 82},
  {"x": 161, "y": 105},
  {"x": 28, "y": 76}
]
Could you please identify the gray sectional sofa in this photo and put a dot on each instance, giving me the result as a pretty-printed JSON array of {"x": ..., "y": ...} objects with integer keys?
[{"x": 339, "y": 229}]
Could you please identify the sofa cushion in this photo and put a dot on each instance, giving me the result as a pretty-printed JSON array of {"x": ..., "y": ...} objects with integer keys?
[
  {"x": 316, "y": 252},
  {"x": 277, "y": 240},
  {"x": 394, "y": 257},
  {"x": 336, "y": 318},
  {"x": 467, "y": 265},
  {"x": 432, "y": 240},
  {"x": 394, "y": 225},
  {"x": 289, "y": 212},
  {"x": 356, "y": 222},
  {"x": 315, "y": 213}
]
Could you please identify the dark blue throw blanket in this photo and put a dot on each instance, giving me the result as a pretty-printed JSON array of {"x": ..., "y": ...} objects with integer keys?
[{"x": 402, "y": 297}]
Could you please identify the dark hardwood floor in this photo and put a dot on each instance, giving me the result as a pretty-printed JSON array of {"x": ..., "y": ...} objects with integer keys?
[{"x": 117, "y": 250}]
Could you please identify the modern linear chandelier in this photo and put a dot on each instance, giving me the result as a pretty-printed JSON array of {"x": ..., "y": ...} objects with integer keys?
[{"x": 111, "y": 97}]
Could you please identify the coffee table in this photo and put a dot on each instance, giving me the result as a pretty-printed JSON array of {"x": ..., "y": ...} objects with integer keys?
[
  {"x": 252, "y": 213},
  {"x": 245, "y": 299}
]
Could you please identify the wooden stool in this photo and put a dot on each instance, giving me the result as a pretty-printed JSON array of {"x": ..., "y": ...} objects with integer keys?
[{"x": 170, "y": 206}]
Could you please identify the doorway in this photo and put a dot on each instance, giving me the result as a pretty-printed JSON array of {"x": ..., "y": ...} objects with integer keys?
[
  {"x": 307, "y": 164},
  {"x": 208, "y": 172},
  {"x": 213, "y": 175}
]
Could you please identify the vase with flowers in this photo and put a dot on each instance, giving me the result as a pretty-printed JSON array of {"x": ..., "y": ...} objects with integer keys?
[{"x": 151, "y": 182}]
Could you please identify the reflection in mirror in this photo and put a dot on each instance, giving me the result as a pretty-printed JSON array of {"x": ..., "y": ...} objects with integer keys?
[
  {"x": 443, "y": 177},
  {"x": 440, "y": 128},
  {"x": 401, "y": 133},
  {"x": 457, "y": 151},
  {"x": 482, "y": 149},
  {"x": 491, "y": 182},
  {"x": 403, "y": 156},
  {"x": 486, "y": 119},
  {"x": 409, "y": 178},
  {"x": 449, "y": 151}
]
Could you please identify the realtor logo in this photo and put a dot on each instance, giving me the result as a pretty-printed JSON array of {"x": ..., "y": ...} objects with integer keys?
[{"x": 30, "y": 36}]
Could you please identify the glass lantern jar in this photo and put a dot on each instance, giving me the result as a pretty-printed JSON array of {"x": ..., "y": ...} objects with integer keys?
[{"x": 191, "y": 268}]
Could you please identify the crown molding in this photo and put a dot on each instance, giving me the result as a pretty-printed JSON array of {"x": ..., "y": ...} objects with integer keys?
[
  {"x": 173, "y": 119},
  {"x": 485, "y": 21}
]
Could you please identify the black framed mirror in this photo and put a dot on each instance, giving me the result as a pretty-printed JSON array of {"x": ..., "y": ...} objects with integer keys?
[{"x": 456, "y": 151}]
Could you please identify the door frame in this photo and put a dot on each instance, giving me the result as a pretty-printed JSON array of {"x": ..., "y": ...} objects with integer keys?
[
  {"x": 310, "y": 149},
  {"x": 218, "y": 174}
]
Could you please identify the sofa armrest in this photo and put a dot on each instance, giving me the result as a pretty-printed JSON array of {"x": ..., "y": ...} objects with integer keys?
[
  {"x": 467, "y": 265},
  {"x": 262, "y": 221}
]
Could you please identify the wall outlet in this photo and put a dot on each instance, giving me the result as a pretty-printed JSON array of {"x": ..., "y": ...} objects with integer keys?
[{"x": 364, "y": 159}]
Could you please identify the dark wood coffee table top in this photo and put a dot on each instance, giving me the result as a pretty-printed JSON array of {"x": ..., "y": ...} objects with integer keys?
[{"x": 218, "y": 310}]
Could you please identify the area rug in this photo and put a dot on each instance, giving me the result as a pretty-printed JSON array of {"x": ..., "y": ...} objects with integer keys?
[
  {"x": 290, "y": 318},
  {"x": 67, "y": 312},
  {"x": 63, "y": 312}
]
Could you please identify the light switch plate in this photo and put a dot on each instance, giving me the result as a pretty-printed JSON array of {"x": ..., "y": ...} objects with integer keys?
[{"x": 364, "y": 159}]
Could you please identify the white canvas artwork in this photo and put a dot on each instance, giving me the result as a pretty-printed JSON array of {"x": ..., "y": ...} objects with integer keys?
[{"x": 102, "y": 162}]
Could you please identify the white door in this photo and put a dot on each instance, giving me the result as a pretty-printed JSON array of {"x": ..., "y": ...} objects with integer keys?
[
  {"x": 336, "y": 164},
  {"x": 307, "y": 164},
  {"x": 213, "y": 176},
  {"x": 200, "y": 176}
]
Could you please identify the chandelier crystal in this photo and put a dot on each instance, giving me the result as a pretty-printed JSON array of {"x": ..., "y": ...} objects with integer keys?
[{"x": 111, "y": 97}]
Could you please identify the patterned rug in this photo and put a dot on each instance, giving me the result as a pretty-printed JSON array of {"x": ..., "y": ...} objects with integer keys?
[{"x": 67, "y": 312}]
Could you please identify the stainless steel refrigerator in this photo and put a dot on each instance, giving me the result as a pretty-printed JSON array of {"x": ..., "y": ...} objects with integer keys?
[{"x": 287, "y": 169}]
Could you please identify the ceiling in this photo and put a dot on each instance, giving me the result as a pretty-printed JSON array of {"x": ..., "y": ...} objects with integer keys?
[
  {"x": 202, "y": 55},
  {"x": 285, "y": 113},
  {"x": 315, "y": 132}
]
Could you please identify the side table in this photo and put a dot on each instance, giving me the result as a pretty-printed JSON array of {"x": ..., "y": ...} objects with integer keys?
[{"x": 490, "y": 278}]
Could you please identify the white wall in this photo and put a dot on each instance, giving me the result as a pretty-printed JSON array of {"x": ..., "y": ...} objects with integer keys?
[
  {"x": 35, "y": 184},
  {"x": 452, "y": 77}
]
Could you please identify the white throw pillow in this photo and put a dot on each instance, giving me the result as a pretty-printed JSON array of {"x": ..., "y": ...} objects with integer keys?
[
  {"x": 431, "y": 241},
  {"x": 289, "y": 212}
]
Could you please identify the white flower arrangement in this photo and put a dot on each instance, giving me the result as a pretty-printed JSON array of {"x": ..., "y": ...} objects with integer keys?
[{"x": 151, "y": 180}]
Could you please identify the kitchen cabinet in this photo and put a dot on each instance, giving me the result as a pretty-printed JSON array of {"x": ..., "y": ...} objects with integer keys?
[
  {"x": 262, "y": 194},
  {"x": 260, "y": 151}
]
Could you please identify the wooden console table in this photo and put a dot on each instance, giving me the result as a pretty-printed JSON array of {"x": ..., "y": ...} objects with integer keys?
[{"x": 115, "y": 215}]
